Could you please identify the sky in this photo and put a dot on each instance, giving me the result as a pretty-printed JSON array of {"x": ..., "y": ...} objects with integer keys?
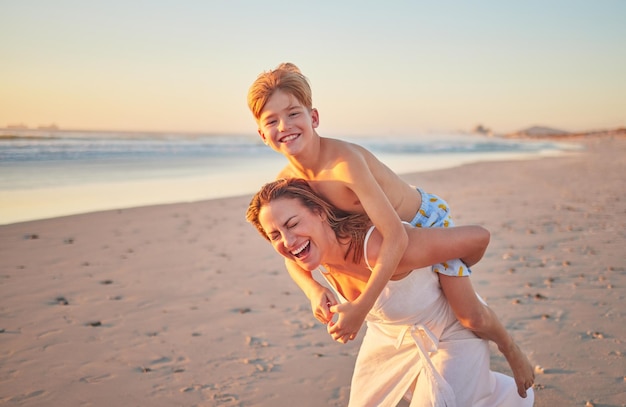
[{"x": 376, "y": 68}]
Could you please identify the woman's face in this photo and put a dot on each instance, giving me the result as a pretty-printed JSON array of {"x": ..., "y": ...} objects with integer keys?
[{"x": 296, "y": 232}]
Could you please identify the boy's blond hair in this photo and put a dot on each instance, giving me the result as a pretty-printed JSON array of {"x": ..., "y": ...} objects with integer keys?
[{"x": 287, "y": 78}]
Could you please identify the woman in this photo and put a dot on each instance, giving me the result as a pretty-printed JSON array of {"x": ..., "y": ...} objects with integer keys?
[{"x": 414, "y": 342}]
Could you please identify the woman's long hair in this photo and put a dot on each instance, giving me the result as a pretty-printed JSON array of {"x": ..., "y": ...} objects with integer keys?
[{"x": 350, "y": 227}]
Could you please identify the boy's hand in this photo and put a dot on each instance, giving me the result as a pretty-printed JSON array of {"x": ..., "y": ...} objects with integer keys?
[
  {"x": 321, "y": 301},
  {"x": 349, "y": 321}
]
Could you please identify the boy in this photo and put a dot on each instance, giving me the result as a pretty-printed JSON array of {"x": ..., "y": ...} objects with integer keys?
[{"x": 354, "y": 180}]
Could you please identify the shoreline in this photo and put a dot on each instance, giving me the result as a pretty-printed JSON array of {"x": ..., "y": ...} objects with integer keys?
[
  {"x": 184, "y": 304},
  {"x": 32, "y": 204}
]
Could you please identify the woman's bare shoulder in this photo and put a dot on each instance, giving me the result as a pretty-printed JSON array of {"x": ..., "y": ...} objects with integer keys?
[{"x": 375, "y": 241}]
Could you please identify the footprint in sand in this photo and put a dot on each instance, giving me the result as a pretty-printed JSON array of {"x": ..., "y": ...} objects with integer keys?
[
  {"x": 95, "y": 379},
  {"x": 24, "y": 397},
  {"x": 256, "y": 342},
  {"x": 49, "y": 332},
  {"x": 163, "y": 362},
  {"x": 595, "y": 334},
  {"x": 224, "y": 397},
  {"x": 260, "y": 365},
  {"x": 196, "y": 387},
  {"x": 61, "y": 300}
]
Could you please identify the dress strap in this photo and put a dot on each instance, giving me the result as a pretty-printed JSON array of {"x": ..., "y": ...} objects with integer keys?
[{"x": 367, "y": 237}]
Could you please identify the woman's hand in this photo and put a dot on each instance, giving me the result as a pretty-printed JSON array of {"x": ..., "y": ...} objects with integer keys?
[{"x": 321, "y": 301}]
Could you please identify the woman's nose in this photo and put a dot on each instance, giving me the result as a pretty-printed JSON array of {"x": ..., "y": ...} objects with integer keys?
[{"x": 289, "y": 240}]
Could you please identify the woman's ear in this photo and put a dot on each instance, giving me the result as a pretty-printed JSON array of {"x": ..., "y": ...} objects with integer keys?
[{"x": 319, "y": 212}]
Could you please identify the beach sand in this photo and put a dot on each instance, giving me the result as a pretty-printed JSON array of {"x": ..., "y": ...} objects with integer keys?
[{"x": 185, "y": 305}]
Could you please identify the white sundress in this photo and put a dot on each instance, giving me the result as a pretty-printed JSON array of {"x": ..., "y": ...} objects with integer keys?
[{"x": 412, "y": 333}]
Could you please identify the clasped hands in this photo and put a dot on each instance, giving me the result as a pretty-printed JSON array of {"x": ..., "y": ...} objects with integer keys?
[{"x": 343, "y": 321}]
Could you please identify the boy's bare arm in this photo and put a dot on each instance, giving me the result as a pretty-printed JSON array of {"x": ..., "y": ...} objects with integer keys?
[
  {"x": 357, "y": 176},
  {"x": 383, "y": 215}
]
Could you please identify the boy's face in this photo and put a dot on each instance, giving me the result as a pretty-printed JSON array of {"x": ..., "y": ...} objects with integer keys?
[{"x": 286, "y": 125}]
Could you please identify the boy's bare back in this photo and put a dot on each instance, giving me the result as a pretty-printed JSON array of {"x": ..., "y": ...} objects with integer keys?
[{"x": 342, "y": 167}]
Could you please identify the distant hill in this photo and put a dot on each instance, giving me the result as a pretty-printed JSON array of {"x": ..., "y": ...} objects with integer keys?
[
  {"x": 539, "y": 131},
  {"x": 548, "y": 132}
]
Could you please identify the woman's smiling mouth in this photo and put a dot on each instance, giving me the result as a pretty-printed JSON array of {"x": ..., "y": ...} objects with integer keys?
[{"x": 302, "y": 250}]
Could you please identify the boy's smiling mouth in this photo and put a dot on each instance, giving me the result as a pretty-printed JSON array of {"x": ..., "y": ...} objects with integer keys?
[{"x": 289, "y": 138}]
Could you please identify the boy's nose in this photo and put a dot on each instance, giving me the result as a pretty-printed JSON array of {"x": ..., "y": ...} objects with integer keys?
[{"x": 282, "y": 125}]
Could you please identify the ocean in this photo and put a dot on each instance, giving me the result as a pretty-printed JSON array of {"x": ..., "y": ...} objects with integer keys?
[{"x": 47, "y": 174}]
